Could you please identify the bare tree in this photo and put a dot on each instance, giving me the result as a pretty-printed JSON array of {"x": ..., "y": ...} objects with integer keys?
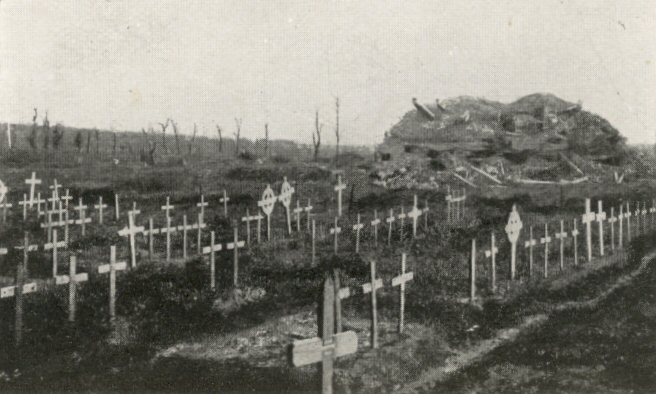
[
  {"x": 78, "y": 141},
  {"x": 177, "y": 137},
  {"x": 57, "y": 136},
  {"x": 238, "y": 121},
  {"x": 88, "y": 141},
  {"x": 218, "y": 130},
  {"x": 97, "y": 141},
  {"x": 164, "y": 126},
  {"x": 316, "y": 141},
  {"x": 193, "y": 138},
  {"x": 46, "y": 132},
  {"x": 32, "y": 138},
  {"x": 337, "y": 131},
  {"x": 114, "y": 143},
  {"x": 267, "y": 152}
]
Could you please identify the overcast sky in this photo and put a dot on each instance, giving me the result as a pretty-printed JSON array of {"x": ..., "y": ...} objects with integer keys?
[{"x": 128, "y": 64}]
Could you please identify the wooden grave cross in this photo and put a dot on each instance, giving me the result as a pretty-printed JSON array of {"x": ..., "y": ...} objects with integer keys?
[
  {"x": 513, "y": 228},
  {"x": 314, "y": 241},
  {"x": 224, "y": 200},
  {"x": 335, "y": 232},
  {"x": 53, "y": 200},
  {"x": 627, "y": 215},
  {"x": 297, "y": 214},
  {"x": 111, "y": 268},
  {"x": 20, "y": 288},
  {"x": 575, "y": 234},
  {"x": 130, "y": 231},
  {"x": 67, "y": 198},
  {"x": 546, "y": 240},
  {"x": 267, "y": 204},
  {"x": 211, "y": 250},
  {"x": 449, "y": 200},
  {"x": 424, "y": 212},
  {"x": 612, "y": 219},
  {"x": 600, "y": 217},
  {"x": 342, "y": 293},
  {"x": 55, "y": 189},
  {"x": 168, "y": 207},
  {"x": 32, "y": 182},
  {"x": 492, "y": 253},
  {"x": 82, "y": 209},
  {"x": 134, "y": 211},
  {"x": 234, "y": 246},
  {"x": 652, "y": 211},
  {"x": 530, "y": 243},
  {"x": 151, "y": 239},
  {"x": 620, "y": 219},
  {"x": 100, "y": 207},
  {"x": 4, "y": 203},
  {"x": 357, "y": 228},
  {"x": 472, "y": 273},
  {"x": 308, "y": 210},
  {"x": 168, "y": 230},
  {"x": 637, "y": 217},
  {"x": 201, "y": 225},
  {"x": 329, "y": 346},
  {"x": 390, "y": 224},
  {"x": 402, "y": 217},
  {"x": 587, "y": 219},
  {"x": 339, "y": 188},
  {"x": 72, "y": 279},
  {"x": 202, "y": 204},
  {"x": 54, "y": 245},
  {"x": 24, "y": 203},
  {"x": 285, "y": 197},
  {"x": 371, "y": 287},
  {"x": 644, "y": 217},
  {"x": 561, "y": 237},
  {"x": 401, "y": 281},
  {"x": 374, "y": 225},
  {"x": 247, "y": 219},
  {"x": 38, "y": 202},
  {"x": 414, "y": 215},
  {"x": 117, "y": 211}
]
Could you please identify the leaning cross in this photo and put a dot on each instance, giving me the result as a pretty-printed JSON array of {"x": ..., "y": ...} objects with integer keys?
[
  {"x": 130, "y": 231},
  {"x": 401, "y": 281},
  {"x": 530, "y": 244},
  {"x": 32, "y": 182},
  {"x": 112, "y": 267},
  {"x": 267, "y": 204},
  {"x": 414, "y": 214},
  {"x": 601, "y": 216},
  {"x": 561, "y": 236},
  {"x": 587, "y": 219},
  {"x": 513, "y": 229},
  {"x": 546, "y": 240},
  {"x": 335, "y": 231},
  {"x": 492, "y": 253},
  {"x": 339, "y": 188},
  {"x": 327, "y": 348},
  {"x": 285, "y": 197},
  {"x": 371, "y": 287},
  {"x": 357, "y": 228},
  {"x": 235, "y": 245}
]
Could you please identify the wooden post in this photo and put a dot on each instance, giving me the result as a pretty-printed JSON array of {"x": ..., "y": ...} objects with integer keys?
[
  {"x": 530, "y": 244},
  {"x": 21, "y": 273},
  {"x": 472, "y": 274},
  {"x": 374, "y": 225},
  {"x": 235, "y": 245},
  {"x": 212, "y": 263},
  {"x": 587, "y": 219},
  {"x": 100, "y": 208},
  {"x": 390, "y": 222},
  {"x": 492, "y": 253},
  {"x": 546, "y": 240},
  {"x": 401, "y": 281},
  {"x": 308, "y": 210},
  {"x": 201, "y": 224},
  {"x": 620, "y": 217},
  {"x": 561, "y": 236},
  {"x": 357, "y": 227},
  {"x": 371, "y": 287},
  {"x": 151, "y": 246},
  {"x": 314, "y": 235},
  {"x": 575, "y": 234},
  {"x": 184, "y": 237},
  {"x": 600, "y": 217},
  {"x": 72, "y": 288},
  {"x": 116, "y": 209},
  {"x": 168, "y": 238}
]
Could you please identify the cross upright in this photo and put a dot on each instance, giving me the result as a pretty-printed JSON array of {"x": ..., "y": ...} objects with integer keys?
[
  {"x": 335, "y": 231},
  {"x": 339, "y": 187},
  {"x": 329, "y": 346},
  {"x": 81, "y": 209},
  {"x": 247, "y": 219},
  {"x": 414, "y": 215},
  {"x": 587, "y": 219},
  {"x": 424, "y": 212},
  {"x": 134, "y": 212},
  {"x": 374, "y": 225},
  {"x": 25, "y": 203},
  {"x": 637, "y": 217},
  {"x": 267, "y": 203},
  {"x": 72, "y": 279},
  {"x": 130, "y": 231},
  {"x": 32, "y": 182},
  {"x": 168, "y": 207},
  {"x": 235, "y": 245},
  {"x": 202, "y": 204},
  {"x": 390, "y": 224},
  {"x": 4, "y": 204},
  {"x": 513, "y": 229},
  {"x": 53, "y": 199},
  {"x": 211, "y": 250},
  {"x": 371, "y": 287},
  {"x": 546, "y": 240},
  {"x": 55, "y": 189},
  {"x": 100, "y": 206},
  {"x": 492, "y": 253},
  {"x": 38, "y": 202},
  {"x": 561, "y": 237},
  {"x": 620, "y": 220},
  {"x": 402, "y": 217},
  {"x": 628, "y": 215},
  {"x": 601, "y": 216},
  {"x": 357, "y": 228},
  {"x": 224, "y": 200},
  {"x": 530, "y": 243},
  {"x": 308, "y": 210},
  {"x": 67, "y": 198},
  {"x": 54, "y": 245},
  {"x": 297, "y": 213},
  {"x": 111, "y": 268},
  {"x": 612, "y": 219},
  {"x": 575, "y": 234},
  {"x": 401, "y": 281}
]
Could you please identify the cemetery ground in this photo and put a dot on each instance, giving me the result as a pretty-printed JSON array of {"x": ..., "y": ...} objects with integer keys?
[{"x": 171, "y": 328}]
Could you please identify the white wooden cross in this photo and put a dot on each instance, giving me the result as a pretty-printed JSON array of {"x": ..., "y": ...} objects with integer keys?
[
  {"x": 168, "y": 207},
  {"x": 211, "y": 250},
  {"x": 202, "y": 204},
  {"x": 54, "y": 245},
  {"x": 374, "y": 224},
  {"x": 267, "y": 204},
  {"x": 55, "y": 189},
  {"x": 4, "y": 204},
  {"x": 513, "y": 228},
  {"x": 357, "y": 228},
  {"x": 297, "y": 214},
  {"x": 620, "y": 219},
  {"x": 130, "y": 231},
  {"x": 100, "y": 206},
  {"x": 168, "y": 230},
  {"x": 335, "y": 231},
  {"x": 224, "y": 200},
  {"x": 627, "y": 215},
  {"x": 248, "y": 219},
  {"x": 285, "y": 197},
  {"x": 414, "y": 215},
  {"x": 637, "y": 217},
  {"x": 612, "y": 219},
  {"x": 601, "y": 216},
  {"x": 117, "y": 212},
  {"x": 308, "y": 210},
  {"x": 587, "y": 219},
  {"x": 546, "y": 240},
  {"x": 53, "y": 199},
  {"x": 562, "y": 235},
  {"x": 134, "y": 212},
  {"x": 472, "y": 273},
  {"x": 25, "y": 204},
  {"x": 82, "y": 209},
  {"x": 339, "y": 188},
  {"x": 390, "y": 224},
  {"x": 575, "y": 234},
  {"x": 401, "y": 281},
  {"x": 425, "y": 211},
  {"x": 111, "y": 268},
  {"x": 402, "y": 217},
  {"x": 530, "y": 243},
  {"x": 67, "y": 198},
  {"x": 492, "y": 253},
  {"x": 72, "y": 279},
  {"x": 234, "y": 246},
  {"x": 371, "y": 287},
  {"x": 38, "y": 202},
  {"x": 32, "y": 182}
]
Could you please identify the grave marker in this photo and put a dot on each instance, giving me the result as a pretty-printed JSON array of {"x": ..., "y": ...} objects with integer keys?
[
  {"x": 67, "y": 198},
  {"x": 308, "y": 210},
  {"x": 73, "y": 279},
  {"x": 32, "y": 182},
  {"x": 492, "y": 253},
  {"x": 111, "y": 268},
  {"x": 546, "y": 240},
  {"x": 168, "y": 230},
  {"x": 513, "y": 228},
  {"x": 587, "y": 219},
  {"x": 55, "y": 189},
  {"x": 339, "y": 187},
  {"x": 472, "y": 273},
  {"x": 530, "y": 244},
  {"x": 575, "y": 234},
  {"x": 627, "y": 214},
  {"x": 425, "y": 211},
  {"x": 374, "y": 225},
  {"x": 201, "y": 226},
  {"x": 38, "y": 202},
  {"x": 54, "y": 245},
  {"x": 285, "y": 197},
  {"x": 168, "y": 207},
  {"x": 20, "y": 289},
  {"x": 297, "y": 213},
  {"x": 371, "y": 287},
  {"x": 314, "y": 235},
  {"x": 612, "y": 221},
  {"x": 116, "y": 207},
  {"x": 620, "y": 219},
  {"x": 134, "y": 212},
  {"x": 202, "y": 204},
  {"x": 130, "y": 231},
  {"x": 100, "y": 206},
  {"x": 401, "y": 281},
  {"x": 414, "y": 215},
  {"x": 357, "y": 228},
  {"x": 235, "y": 245},
  {"x": 644, "y": 217},
  {"x": 248, "y": 218},
  {"x": 267, "y": 204},
  {"x": 390, "y": 222},
  {"x": 341, "y": 294},
  {"x": 402, "y": 217},
  {"x": 637, "y": 216},
  {"x": 24, "y": 203},
  {"x": 4, "y": 202},
  {"x": 601, "y": 216},
  {"x": 224, "y": 200},
  {"x": 335, "y": 231},
  {"x": 561, "y": 237},
  {"x": 82, "y": 209},
  {"x": 211, "y": 250}
]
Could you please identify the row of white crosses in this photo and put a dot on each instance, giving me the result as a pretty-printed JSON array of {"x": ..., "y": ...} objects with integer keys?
[{"x": 214, "y": 247}]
